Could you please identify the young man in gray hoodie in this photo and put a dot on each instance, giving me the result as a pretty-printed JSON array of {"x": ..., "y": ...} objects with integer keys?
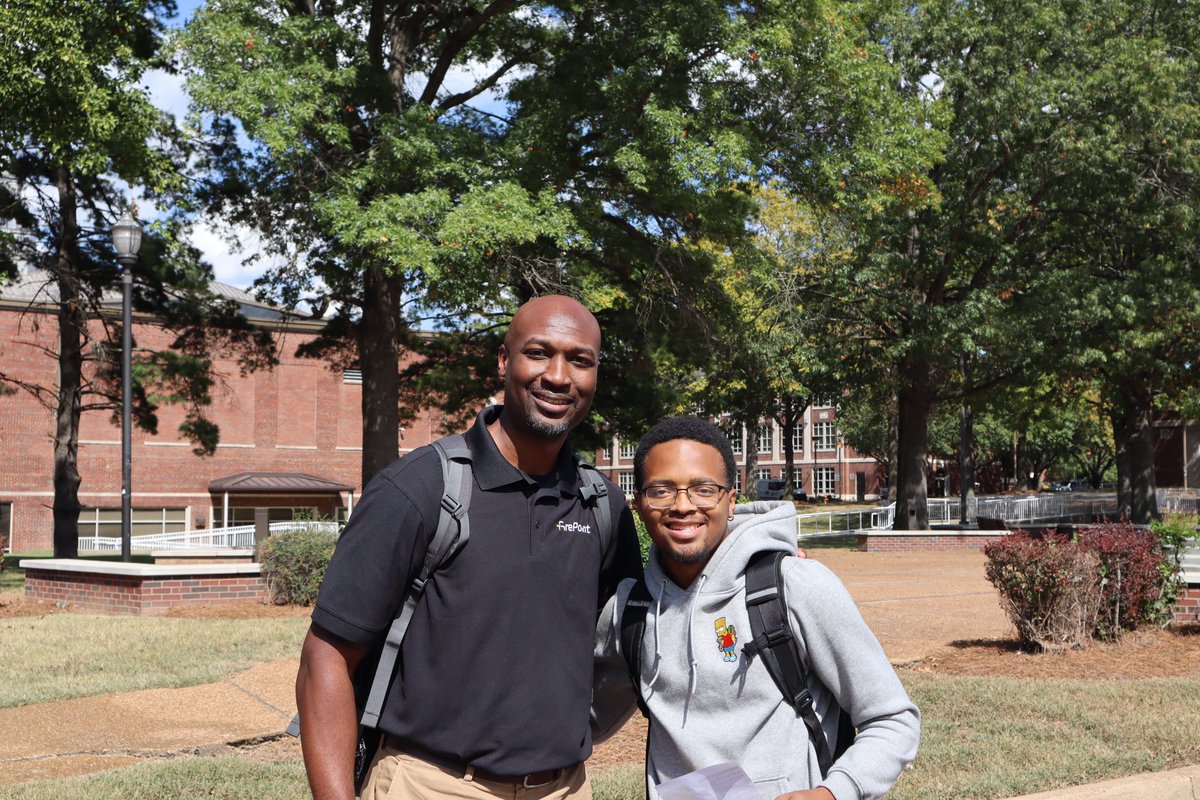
[{"x": 708, "y": 700}]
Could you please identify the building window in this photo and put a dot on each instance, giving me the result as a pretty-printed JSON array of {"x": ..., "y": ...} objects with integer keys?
[
  {"x": 243, "y": 515},
  {"x": 606, "y": 453},
  {"x": 763, "y": 474},
  {"x": 5, "y": 526},
  {"x": 764, "y": 437},
  {"x": 798, "y": 439},
  {"x": 625, "y": 481},
  {"x": 735, "y": 441},
  {"x": 823, "y": 402},
  {"x": 143, "y": 521},
  {"x": 352, "y": 376},
  {"x": 737, "y": 481},
  {"x": 824, "y": 437},
  {"x": 627, "y": 450},
  {"x": 822, "y": 481}
]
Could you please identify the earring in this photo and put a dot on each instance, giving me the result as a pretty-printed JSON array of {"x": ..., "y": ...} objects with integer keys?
[{"x": 731, "y": 517}]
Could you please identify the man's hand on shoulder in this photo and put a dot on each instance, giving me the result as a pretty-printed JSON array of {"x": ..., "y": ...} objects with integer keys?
[{"x": 820, "y": 793}]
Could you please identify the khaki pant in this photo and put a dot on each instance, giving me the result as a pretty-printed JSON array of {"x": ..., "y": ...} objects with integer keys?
[{"x": 394, "y": 775}]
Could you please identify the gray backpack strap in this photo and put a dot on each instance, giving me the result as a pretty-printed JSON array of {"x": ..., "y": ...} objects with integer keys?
[
  {"x": 453, "y": 530},
  {"x": 594, "y": 494}
]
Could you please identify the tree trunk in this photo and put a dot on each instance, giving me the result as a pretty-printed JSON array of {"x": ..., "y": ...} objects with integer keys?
[
  {"x": 70, "y": 374},
  {"x": 912, "y": 419},
  {"x": 966, "y": 460},
  {"x": 791, "y": 418},
  {"x": 966, "y": 450},
  {"x": 379, "y": 359},
  {"x": 1134, "y": 436},
  {"x": 751, "y": 488}
]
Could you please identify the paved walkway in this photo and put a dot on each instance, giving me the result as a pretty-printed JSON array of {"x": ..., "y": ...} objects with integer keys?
[{"x": 910, "y": 600}]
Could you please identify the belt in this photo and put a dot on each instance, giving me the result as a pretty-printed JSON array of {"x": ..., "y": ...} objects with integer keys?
[{"x": 467, "y": 772}]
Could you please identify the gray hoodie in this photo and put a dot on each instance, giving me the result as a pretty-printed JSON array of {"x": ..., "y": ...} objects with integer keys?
[{"x": 710, "y": 703}]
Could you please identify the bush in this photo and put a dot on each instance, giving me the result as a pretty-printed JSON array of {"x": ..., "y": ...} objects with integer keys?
[
  {"x": 294, "y": 564},
  {"x": 1131, "y": 571},
  {"x": 1174, "y": 533},
  {"x": 1049, "y": 589}
]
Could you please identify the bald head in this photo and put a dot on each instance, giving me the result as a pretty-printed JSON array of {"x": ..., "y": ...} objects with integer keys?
[
  {"x": 556, "y": 309},
  {"x": 549, "y": 362}
]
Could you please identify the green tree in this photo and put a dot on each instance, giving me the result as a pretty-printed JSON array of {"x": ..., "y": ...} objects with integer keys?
[
  {"x": 1131, "y": 194},
  {"x": 74, "y": 129},
  {"x": 417, "y": 166}
]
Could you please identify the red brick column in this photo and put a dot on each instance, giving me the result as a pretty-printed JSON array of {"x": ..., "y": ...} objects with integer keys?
[{"x": 1187, "y": 606}]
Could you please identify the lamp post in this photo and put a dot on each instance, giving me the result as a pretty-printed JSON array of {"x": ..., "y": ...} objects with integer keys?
[{"x": 127, "y": 240}]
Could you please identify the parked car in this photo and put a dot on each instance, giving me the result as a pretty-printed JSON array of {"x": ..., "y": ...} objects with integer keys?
[{"x": 772, "y": 489}]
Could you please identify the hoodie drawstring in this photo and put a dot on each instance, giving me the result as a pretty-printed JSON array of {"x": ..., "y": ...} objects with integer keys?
[
  {"x": 657, "y": 651},
  {"x": 691, "y": 651}
]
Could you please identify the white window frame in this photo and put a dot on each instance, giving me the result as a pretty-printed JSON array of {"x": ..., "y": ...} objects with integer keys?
[
  {"x": 6, "y": 516},
  {"x": 736, "y": 439},
  {"x": 824, "y": 437},
  {"x": 95, "y": 521},
  {"x": 798, "y": 438},
  {"x": 766, "y": 436},
  {"x": 737, "y": 481},
  {"x": 823, "y": 481},
  {"x": 625, "y": 481},
  {"x": 607, "y": 450},
  {"x": 627, "y": 450}
]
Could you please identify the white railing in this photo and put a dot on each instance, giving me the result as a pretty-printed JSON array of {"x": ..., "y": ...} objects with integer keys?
[
  {"x": 240, "y": 537},
  {"x": 1178, "y": 501},
  {"x": 1012, "y": 509},
  {"x": 821, "y": 524}
]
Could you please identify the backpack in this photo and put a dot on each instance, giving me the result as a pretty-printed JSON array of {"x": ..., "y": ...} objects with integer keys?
[
  {"x": 374, "y": 674},
  {"x": 772, "y": 640}
]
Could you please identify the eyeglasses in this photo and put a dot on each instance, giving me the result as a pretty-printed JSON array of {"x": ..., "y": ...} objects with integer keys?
[{"x": 702, "y": 495}]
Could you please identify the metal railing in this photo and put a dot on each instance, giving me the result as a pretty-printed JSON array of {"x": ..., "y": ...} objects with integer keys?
[
  {"x": 1178, "y": 501},
  {"x": 1010, "y": 508},
  {"x": 234, "y": 538}
]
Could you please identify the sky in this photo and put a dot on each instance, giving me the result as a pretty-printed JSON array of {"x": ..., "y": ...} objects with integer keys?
[{"x": 166, "y": 91}]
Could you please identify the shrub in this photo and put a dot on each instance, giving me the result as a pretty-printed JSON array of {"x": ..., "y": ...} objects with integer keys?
[
  {"x": 1047, "y": 587},
  {"x": 294, "y": 564},
  {"x": 1173, "y": 533},
  {"x": 1131, "y": 575}
]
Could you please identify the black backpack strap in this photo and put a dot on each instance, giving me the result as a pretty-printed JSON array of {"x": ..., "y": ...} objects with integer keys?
[
  {"x": 594, "y": 494},
  {"x": 774, "y": 642},
  {"x": 452, "y": 533},
  {"x": 633, "y": 628}
]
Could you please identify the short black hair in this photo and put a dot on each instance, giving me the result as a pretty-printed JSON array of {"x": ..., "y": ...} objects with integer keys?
[{"x": 691, "y": 428}]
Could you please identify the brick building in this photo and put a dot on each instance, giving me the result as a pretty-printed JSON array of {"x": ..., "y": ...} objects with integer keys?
[
  {"x": 824, "y": 464},
  {"x": 291, "y": 437}
]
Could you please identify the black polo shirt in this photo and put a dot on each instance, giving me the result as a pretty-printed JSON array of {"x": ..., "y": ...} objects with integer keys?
[{"x": 496, "y": 667}]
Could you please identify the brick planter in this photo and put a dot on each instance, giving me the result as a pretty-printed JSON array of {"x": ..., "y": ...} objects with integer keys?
[
  {"x": 912, "y": 541},
  {"x": 1187, "y": 606},
  {"x": 139, "y": 589}
]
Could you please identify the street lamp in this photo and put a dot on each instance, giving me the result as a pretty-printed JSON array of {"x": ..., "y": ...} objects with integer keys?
[{"x": 127, "y": 240}]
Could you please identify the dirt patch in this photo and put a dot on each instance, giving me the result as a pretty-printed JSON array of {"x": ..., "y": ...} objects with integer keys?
[
  {"x": 1152, "y": 653},
  {"x": 240, "y": 609},
  {"x": 14, "y": 604}
]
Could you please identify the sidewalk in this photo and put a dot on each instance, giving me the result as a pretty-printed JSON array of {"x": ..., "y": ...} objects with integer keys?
[
  {"x": 90, "y": 734},
  {"x": 1175, "y": 784}
]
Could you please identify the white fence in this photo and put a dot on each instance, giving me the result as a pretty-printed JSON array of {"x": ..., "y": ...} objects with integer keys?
[
  {"x": 1010, "y": 508},
  {"x": 237, "y": 538}
]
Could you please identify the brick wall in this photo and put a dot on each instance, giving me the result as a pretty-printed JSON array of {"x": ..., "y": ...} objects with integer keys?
[
  {"x": 1187, "y": 606},
  {"x": 914, "y": 541},
  {"x": 140, "y": 595},
  {"x": 298, "y": 417}
]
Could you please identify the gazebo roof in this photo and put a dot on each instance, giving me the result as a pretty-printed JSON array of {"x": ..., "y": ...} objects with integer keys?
[{"x": 276, "y": 483}]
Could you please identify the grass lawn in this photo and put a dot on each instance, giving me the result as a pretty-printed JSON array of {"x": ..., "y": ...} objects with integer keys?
[{"x": 59, "y": 656}]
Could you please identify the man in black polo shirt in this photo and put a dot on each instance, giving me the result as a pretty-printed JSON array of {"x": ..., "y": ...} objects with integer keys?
[{"x": 493, "y": 685}]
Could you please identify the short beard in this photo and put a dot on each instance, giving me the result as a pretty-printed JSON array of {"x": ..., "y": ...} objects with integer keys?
[
  {"x": 544, "y": 429},
  {"x": 697, "y": 557}
]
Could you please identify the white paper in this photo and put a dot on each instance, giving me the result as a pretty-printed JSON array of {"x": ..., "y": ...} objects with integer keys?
[{"x": 719, "y": 782}]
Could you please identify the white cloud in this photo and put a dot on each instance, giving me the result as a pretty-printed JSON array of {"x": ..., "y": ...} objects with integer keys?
[{"x": 225, "y": 258}]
